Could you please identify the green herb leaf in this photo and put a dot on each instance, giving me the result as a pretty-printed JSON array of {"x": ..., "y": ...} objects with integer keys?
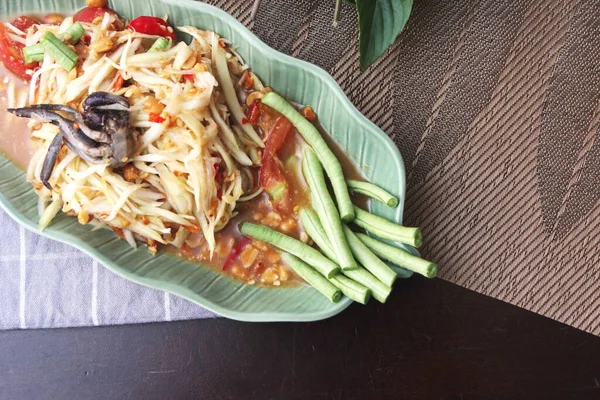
[{"x": 379, "y": 23}]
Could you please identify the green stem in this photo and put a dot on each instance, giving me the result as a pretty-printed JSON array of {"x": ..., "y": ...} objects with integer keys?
[
  {"x": 399, "y": 257},
  {"x": 386, "y": 229},
  {"x": 336, "y": 13}
]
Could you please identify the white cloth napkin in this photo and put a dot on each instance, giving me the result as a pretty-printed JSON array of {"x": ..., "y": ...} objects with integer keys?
[{"x": 47, "y": 284}]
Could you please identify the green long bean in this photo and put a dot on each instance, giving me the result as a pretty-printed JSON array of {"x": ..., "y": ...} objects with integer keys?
[
  {"x": 373, "y": 191},
  {"x": 325, "y": 207},
  {"x": 311, "y": 134},
  {"x": 399, "y": 257},
  {"x": 369, "y": 260},
  {"x": 351, "y": 289},
  {"x": 293, "y": 246},
  {"x": 386, "y": 229},
  {"x": 311, "y": 276},
  {"x": 314, "y": 229}
]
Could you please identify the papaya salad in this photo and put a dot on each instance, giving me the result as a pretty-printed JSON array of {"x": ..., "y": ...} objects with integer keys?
[{"x": 179, "y": 147}]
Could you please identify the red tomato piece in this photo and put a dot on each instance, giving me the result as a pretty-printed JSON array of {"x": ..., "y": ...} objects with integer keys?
[
  {"x": 189, "y": 77},
  {"x": 24, "y": 22},
  {"x": 271, "y": 176},
  {"x": 11, "y": 55},
  {"x": 152, "y": 26},
  {"x": 89, "y": 14}
]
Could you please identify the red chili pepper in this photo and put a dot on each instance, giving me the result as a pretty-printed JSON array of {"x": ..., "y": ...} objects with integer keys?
[
  {"x": 152, "y": 26},
  {"x": 155, "y": 118},
  {"x": 189, "y": 77},
  {"x": 253, "y": 113},
  {"x": 235, "y": 253}
]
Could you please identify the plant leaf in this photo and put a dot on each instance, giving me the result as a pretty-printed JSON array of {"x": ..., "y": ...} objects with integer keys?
[{"x": 379, "y": 23}]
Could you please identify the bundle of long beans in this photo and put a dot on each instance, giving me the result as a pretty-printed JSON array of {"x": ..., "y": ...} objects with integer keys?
[{"x": 349, "y": 263}]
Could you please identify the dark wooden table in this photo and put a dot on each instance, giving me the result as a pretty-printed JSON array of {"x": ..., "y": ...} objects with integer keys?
[{"x": 433, "y": 340}]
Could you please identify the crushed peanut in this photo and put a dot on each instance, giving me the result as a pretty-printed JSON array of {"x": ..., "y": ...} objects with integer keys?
[
  {"x": 248, "y": 256},
  {"x": 102, "y": 45}
]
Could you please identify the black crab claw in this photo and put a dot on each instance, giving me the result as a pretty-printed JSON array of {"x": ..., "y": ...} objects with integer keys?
[
  {"x": 95, "y": 135},
  {"x": 84, "y": 146},
  {"x": 50, "y": 159},
  {"x": 102, "y": 134},
  {"x": 105, "y": 101}
]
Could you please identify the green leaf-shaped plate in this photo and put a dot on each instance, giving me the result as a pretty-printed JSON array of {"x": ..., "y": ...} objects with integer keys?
[{"x": 299, "y": 81}]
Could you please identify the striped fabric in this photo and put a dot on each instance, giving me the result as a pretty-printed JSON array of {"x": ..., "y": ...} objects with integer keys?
[{"x": 495, "y": 106}]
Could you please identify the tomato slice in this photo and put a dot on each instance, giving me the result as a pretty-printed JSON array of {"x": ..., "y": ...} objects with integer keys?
[
  {"x": 11, "y": 55},
  {"x": 24, "y": 22},
  {"x": 271, "y": 176},
  {"x": 89, "y": 14},
  {"x": 152, "y": 26}
]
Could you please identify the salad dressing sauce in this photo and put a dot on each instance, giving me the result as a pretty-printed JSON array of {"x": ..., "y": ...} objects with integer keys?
[{"x": 15, "y": 143}]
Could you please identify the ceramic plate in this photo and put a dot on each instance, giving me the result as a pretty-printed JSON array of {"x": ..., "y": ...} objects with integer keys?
[{"x": 298, "y": 81}]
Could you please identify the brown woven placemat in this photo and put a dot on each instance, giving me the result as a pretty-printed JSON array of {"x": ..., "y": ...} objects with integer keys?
[{"x": 495, "y": 106}]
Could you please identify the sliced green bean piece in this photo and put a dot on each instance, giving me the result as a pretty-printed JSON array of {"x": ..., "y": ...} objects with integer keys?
[
  {"x": 399, "y": 257},
  {"x": 59, "y": 51},
  {"x": 293, "y": 246},
  {"x": 312, "y": 135},
  {"x": 311, "y": 276},
  {"x": 161, "y": 44},
  {"x": 386, "y": 229},
  {"x": 33, "y": 53},
  {"x": 373, "y": 191},
  {"x": 73, "y": 33}
]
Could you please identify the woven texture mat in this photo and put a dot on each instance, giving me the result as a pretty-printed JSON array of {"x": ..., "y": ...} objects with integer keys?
[{"x": 495, "y": 106}]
